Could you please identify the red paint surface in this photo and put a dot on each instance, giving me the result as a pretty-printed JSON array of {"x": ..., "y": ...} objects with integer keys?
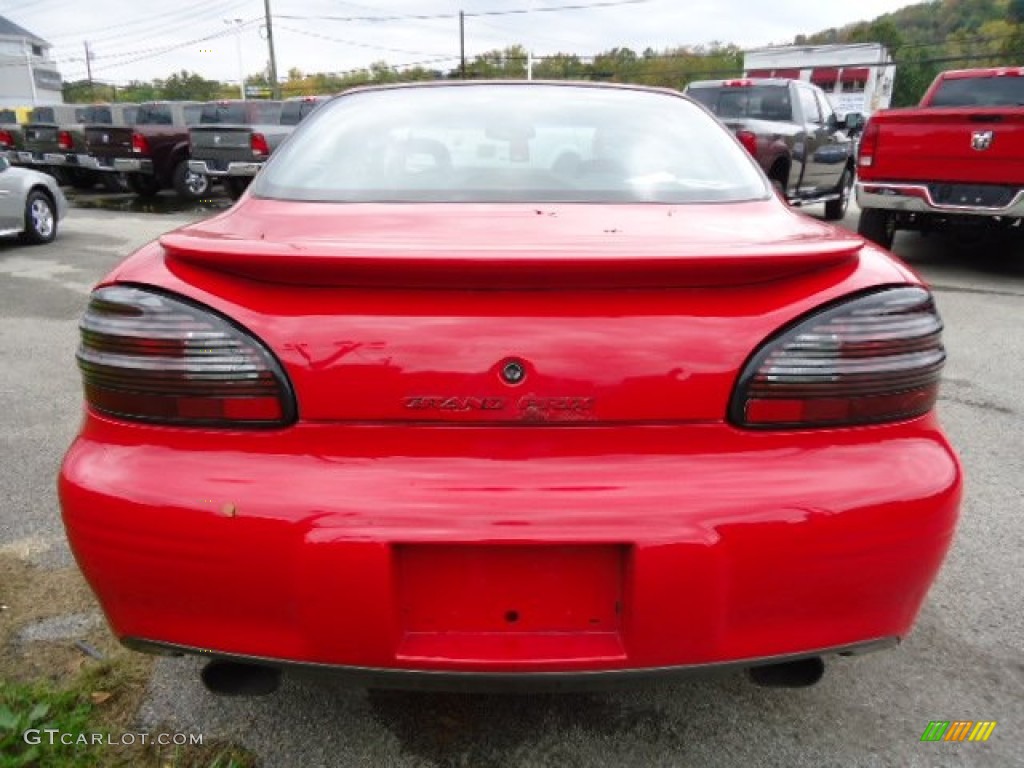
[{"x": 374, "y": 534}]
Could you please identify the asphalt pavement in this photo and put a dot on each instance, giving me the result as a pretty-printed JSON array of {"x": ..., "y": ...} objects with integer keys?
[{"x": 962, "y": 662}]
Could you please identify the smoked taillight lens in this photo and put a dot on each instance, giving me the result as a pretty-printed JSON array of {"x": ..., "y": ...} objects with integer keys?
[
  {"x": 874, "y": 358},
  {"x": 258, "y": 144},
  {"x": 64, "y": 141},
  {"x": 151, "y": 357},
  {"x": 139, "y": 144},
  {"x": 749, "y": 141},
  {"x": 868, "y": 145}
]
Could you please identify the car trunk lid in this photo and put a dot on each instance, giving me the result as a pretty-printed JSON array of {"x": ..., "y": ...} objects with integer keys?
[
  {"x": 501, "y": 246},
  {"x": 511, "y": 314}
]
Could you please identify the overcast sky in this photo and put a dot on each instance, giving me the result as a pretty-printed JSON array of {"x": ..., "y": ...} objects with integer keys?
[{"x": 136, "y": 40}]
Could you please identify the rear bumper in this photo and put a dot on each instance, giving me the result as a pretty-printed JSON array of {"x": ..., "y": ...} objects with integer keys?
[
  {"x": 25, "y": 157},
  {"x": 514, "y": 550},
  {"x": 133, "y": 165},
  {"x": 94, "y": 163},
  {"x": 235, "y": 168},
  {"x": 525, "y": 682},
  {"x": 917, "y": 198}
]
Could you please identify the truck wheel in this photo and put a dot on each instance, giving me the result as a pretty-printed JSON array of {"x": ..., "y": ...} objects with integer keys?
[
  {"x": 188, "y": 184},
  {"x": 835, "y": 210},
  {"x": 40, "y": 219},
  {"x": 236, "y": 186},
  {"x": 141, "y": 185},
  {"x": 877, "y": 226}
]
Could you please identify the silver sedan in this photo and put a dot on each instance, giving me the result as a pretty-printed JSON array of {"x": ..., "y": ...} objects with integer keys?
[{"x": 31, "y": 204}]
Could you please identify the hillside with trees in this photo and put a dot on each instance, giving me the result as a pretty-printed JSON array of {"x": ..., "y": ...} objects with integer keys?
[{"x": 923, "y": 39}]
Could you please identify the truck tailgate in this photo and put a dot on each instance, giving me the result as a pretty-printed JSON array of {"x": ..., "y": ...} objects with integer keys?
[{"x": 956, "y": 144}]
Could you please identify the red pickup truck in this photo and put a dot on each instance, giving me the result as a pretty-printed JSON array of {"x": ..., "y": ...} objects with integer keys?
[{"x": 955, "y": 162}]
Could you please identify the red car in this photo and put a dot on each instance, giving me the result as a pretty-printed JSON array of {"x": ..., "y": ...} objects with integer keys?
[{"x": 513, "y": 384}]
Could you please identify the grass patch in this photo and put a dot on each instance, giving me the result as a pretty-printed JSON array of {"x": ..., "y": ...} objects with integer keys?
[{"x": 51, "y": 684}]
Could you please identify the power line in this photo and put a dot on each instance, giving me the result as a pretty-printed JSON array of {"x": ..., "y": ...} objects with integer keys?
[
  {"x": 355, "y": 44},
  {"x": 507, "y": 12}
]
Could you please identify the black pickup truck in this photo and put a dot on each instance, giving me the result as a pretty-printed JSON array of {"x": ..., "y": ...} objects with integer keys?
[
  {"x": 54, "y": 140},
  {"x": 792, "y": 131},
  {"x": 234, "y": 138},
  {"x": 153, "y": 153}
]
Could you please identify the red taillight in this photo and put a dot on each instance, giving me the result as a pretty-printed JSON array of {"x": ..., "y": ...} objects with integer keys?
[
  {"x": 64, "y": 141},
  {"x": 868, "y": 145},
  {"x": 258, "y": 143},
  {"x": 872, "y": 359},
  {"x": 738, "y": 83},
  {"x": 749, "y": 141},
  {"x": 139, "y": 144},
  {"x": 6, "y": 140},
  {"x": 150, "y": 357}
]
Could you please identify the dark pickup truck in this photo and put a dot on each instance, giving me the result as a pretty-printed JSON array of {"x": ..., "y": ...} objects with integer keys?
[
  {"x": 792, "y": 131},
  {"x": 55, "y": 141},
  {"x": 152, "y": 154},
  {"x": 235, "y": 138},
  {"x": 12, "y": 133},
  {"x": 954, "y": 163}
]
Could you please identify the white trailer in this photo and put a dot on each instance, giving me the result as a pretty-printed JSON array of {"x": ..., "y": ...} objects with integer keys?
[{"x": 857, "y": 77}]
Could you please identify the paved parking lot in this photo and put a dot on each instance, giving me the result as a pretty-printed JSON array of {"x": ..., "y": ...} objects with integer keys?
[{"x": 963, "y": 662}]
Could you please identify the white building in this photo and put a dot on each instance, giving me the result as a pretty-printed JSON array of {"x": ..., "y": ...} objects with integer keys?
[
  {"x": 857, "y": 77},
  {"x": 28, "y": 76}
]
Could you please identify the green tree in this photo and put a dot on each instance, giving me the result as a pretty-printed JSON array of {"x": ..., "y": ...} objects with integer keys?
[{"x": 187, "y": 85}]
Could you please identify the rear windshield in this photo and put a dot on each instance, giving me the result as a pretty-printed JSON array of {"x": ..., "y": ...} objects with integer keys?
[
  {"x": 154, "y": 114},
  {"x": 980, "y": 92},
  {"x": 8, "y": 116},
  {"x": 163, "y": 114},
  {"x": 292, "y": 112},
  {"x": 514, "y": 142},
  {"x": 102, "y": 115},
  {"x": 761, "y": 102},
  {"x": 43, "y": 115},
  {"x": 245, "y": 113}
]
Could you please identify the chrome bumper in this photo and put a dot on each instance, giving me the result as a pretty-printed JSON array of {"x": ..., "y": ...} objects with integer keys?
[
  {"x": 133, "y": 165},
  {"x": 93, "y": 163},
  {"x": 917, "y": 198},
  {"x": 234, "y": 169},
  {"x": 53, "y": 158}
]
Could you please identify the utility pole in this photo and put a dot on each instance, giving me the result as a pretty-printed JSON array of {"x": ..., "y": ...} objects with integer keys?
[
  {"x": 274, "y": 85},
  {"x": 88, "y": 69},
  {"x": 462, "y": 45},
  {"x": 238, "y": 49}
]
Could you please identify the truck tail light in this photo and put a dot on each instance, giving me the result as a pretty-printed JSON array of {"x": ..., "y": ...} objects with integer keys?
[
  {"x": 64, "y": 141},
  {"x": 140, "y": 145},
  {"x": 147, "y": 356},
  {"x": 749, "y": 141},
  {"x": 871, "y": 359},
  {"x": 738, "y": 83},
  {"x": 6, "y": 140},
  {"x": 258, "y": 144},
  {"x": 868, "y": 145}
]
